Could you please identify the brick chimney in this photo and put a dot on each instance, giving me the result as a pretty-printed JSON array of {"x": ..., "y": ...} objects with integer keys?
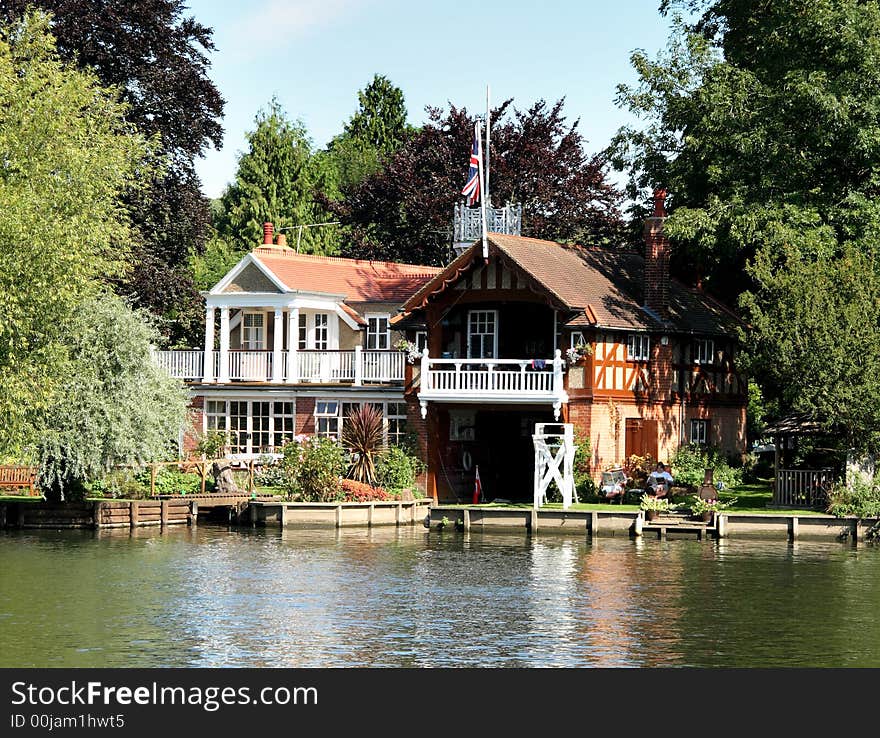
[
  {"x": 268, "y": 231},
  {"x": 657, "y": 259}
]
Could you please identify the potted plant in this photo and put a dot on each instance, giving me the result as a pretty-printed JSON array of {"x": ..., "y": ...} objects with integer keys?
[
  {"x": 653, "y": 506},
  {"x": 703, "y": 509}
]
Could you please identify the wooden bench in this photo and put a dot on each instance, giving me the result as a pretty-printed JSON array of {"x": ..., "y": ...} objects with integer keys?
[{"x": 18, "y": 478}]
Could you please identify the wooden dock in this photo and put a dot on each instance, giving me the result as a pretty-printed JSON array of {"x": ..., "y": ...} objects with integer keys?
[{"x": 679, "y": 525}]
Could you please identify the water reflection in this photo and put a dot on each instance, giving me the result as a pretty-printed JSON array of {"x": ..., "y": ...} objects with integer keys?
[{"x": 409, "y": 597}]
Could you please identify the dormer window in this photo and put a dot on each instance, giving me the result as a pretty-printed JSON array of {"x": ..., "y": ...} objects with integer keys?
[
  {"x": 638, "y": 347},
  {"x": 378, "y": 332},
  {"x": 704, "y": 351}
]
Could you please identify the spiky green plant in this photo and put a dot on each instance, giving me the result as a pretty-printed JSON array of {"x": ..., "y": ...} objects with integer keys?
[{"x": 362, "y": 437}]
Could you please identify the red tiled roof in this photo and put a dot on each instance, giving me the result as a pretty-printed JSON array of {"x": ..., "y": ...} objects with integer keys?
[
  {"x": 601, "y": 287},
  {"x": 359, "y": 280}
]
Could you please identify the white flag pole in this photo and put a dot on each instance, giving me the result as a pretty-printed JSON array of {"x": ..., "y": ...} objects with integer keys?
[
  {"x": 482, "y": 193},
  {"x": 488, "y": 129}
]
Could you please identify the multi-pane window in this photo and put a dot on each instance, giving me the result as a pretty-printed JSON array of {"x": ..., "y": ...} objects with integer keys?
[
  {"x": 327, "y": 418},
  {"x": 395, "y": 417},
  {"x": 482, "y": 334},
  {"x": 704, "y": 351},
  {"x": 253, "y": 332},
  {"x": 261, "y": 427},
  {"x": 285, "y": 428},
  {"x": 322, "y": 321},
  {"x": 700, "y": 432},
  {"x": 215, "y": 414},
  {"x": 331, "y": 416},
  {"x": 238, "y": 427},
  {"x": 302, "y": 332},
  {"x": 638, "y": 347},
  {"x": 254, "y": 427},
  {"x": 378, "y": 332},
  {"x": 421, "y": 340}
]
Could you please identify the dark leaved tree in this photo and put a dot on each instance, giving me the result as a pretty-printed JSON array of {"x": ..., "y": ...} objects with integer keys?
[{"x": 404, "y": 210}]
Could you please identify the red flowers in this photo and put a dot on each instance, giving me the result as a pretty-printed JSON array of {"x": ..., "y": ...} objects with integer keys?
[{"x": 361, "y": 492}]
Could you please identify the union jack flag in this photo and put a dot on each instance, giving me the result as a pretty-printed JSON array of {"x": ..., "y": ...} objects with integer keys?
[{"x": 472, "y": 188}]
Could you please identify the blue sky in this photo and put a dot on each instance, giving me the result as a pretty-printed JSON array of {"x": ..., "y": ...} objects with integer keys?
[{"x": 314, "y": 55}]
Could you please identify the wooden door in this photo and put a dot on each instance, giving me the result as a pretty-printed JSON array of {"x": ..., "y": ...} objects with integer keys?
[{"x": 641, "y": 437}]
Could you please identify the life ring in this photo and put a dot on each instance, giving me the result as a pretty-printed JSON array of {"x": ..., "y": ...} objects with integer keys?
[{"x": 466, "y": 461}]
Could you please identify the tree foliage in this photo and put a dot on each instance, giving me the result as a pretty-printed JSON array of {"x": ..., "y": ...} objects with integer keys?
[
  {"x": 758, "y": 117},
  {"x": 816, "y": 337},
  {"x": 404, "y": 210},
  {"x": 373, "y": 133},
  {"x": 156, "y": 56},
  {"x": 116, "y": 406},
  {"x": 762, "y": 120},
  {"x": 67, "y": 156},
  {"x": 276, "y": 181}
]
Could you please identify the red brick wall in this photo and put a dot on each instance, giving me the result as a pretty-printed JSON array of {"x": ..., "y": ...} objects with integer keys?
[
  {"x": 195, "y": 422},
  {"x": 419, "y": 428},
  {"x": 305, "y": 415}
]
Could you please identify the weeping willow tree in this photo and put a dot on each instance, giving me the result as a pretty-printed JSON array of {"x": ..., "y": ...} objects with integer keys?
[{"x": 116, "y": 406}]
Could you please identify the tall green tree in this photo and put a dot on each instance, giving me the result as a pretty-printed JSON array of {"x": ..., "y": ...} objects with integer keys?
[
  {"x": 373, "y": 133},
  {"x": 157, "y": 56},
  {"x": 276, "y": 181},
  {"x": 763, "y": 121},
  {"x": 68, "y": 155},
  {"x": 756, "y": 115}
]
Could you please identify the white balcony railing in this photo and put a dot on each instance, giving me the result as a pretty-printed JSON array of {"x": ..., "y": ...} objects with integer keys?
[
  {"x": 492, "y": 380},
  {"x": 182, "y": 364},
  {"x": 327, "y": 367}
]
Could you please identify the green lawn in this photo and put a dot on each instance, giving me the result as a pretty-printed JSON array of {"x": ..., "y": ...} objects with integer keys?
[
  {"x": 750, "y": 498},
  {"x": 21, "y": 498}
]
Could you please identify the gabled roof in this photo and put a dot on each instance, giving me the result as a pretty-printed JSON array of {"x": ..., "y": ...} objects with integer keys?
[
  {"x": 600, "y": 287},
  {"x": 358, "y": 280}
]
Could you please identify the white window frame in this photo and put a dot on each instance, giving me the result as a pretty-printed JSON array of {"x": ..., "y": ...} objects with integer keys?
[
  {"x": 326, "y": 414},
  {"x": 704, "y": 351},
  {"x": 397, "y": 416},
  {"x": 253, "y": 337},
  {"x": 421, "y": 340},
  {"x": 321, "y": 327},
  {"x": 278, "y": 434},
  {"x": 577, "y": 339},
  {"x": 638, "y": 347},
  {"x": 374, "y": 333},
  {"x": 218, "y": 417},
  {"x": 699, "y": 431},
  {"x": 471, "y": 334},
  {"x": 302, "y": 332},
  {"x": 344, "y": 406}
]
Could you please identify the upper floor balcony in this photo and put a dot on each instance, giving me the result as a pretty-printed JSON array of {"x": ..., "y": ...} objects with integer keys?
[
  {"x": 357, "y": 366},
  {"x": 510, "y": 381}
]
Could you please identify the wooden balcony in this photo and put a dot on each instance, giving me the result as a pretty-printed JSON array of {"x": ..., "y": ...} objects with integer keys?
[
  {"x": 510, "y": 381},
  {"x": 355, "y": 367}
]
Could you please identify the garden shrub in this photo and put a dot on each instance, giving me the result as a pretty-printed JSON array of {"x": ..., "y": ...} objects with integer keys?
[
  {"x": 398, "y": 469},
  {"x": 354, "y": 491},
  {"x": 861, "y": 498},
  {"x": 313, "y": 469},
  {"x": 170, "y": 481},
  {"x": 690, "y": 462},
  {"x": 272, "y": 473}
]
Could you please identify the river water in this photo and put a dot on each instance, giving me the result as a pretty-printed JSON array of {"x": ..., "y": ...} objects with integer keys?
[{"x": 210, "y": 596}]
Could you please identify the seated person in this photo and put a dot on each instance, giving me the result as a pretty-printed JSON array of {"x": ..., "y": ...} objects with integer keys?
[{"x": 659, "y": 481}]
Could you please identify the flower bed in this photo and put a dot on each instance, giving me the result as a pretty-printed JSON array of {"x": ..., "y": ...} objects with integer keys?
[{"x": 353, "y": 491}]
